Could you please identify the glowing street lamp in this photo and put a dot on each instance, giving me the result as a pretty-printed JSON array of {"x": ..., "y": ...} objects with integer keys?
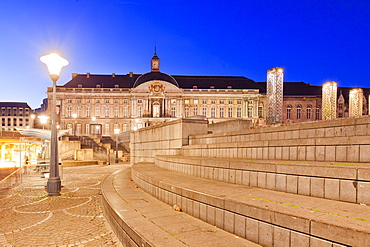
[
  {"x": 116, "y": 132},
  {"x": 54, "y": 63},
  {"x": 43, "y": 120}
]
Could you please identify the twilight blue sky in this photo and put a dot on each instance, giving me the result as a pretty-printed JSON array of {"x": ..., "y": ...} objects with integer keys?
[{"x": 313, "y": 40}]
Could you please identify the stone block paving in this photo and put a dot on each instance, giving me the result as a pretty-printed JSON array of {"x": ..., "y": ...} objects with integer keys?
[{"x": 28, "y": 217}]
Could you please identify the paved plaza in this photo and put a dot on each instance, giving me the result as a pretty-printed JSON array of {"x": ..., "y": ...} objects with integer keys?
[{"x": 30, "y": 218}]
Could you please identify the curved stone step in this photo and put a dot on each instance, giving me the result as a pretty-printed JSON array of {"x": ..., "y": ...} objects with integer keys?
[
  {"x": 270, "y": 218},
  {"x": 138, "y": 219}
]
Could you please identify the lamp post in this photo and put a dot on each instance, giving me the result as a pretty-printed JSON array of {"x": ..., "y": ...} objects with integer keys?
[
  {"x": 54, "y": 63},
  {"x": 116, "y": 132}
]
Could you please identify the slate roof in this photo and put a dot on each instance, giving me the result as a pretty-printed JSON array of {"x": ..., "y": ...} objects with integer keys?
[
  {"x": 14, "y": 104},
  {"x": 300, "y": 89},
  {"x": 186, "y": 82}
]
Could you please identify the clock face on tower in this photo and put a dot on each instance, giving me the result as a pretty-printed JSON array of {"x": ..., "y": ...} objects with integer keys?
[{"x": 155, "y": 64}]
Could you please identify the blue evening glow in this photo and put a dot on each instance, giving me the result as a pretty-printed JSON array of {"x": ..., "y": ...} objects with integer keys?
[{"x": 313, "y": 40}]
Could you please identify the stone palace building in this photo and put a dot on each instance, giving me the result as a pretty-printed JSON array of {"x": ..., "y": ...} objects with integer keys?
[{"x": 96, "y": 104}]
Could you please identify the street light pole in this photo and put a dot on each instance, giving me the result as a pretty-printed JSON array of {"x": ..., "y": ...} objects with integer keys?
[{"x": 55, "y": 64}]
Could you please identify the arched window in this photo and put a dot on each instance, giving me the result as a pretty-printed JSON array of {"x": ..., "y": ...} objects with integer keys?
[
  {"x": 289, "y": 112},
  {"x": 299, "y": 111},
  {"x": 98, "y": 86},
  {"x": 309, "y": 112}
]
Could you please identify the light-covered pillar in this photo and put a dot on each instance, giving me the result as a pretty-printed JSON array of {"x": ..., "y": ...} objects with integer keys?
[
  {"x": 329, "y": 100},
  {"x": 274, "y": 93},
  {"x": 355, "y": 102}
]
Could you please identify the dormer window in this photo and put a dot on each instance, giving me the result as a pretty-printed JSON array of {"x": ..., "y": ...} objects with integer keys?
[
  {"x": 195, "y": 87},
  {"x": 212, "y": 87},
  {"x": 98, "y": 86},
  {"x": 79, "y": 85},
  {"x": 116, "y": 86},
  {"x": 229, "y": 87}
]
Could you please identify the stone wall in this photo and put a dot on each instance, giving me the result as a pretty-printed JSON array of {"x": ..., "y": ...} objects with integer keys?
[
  {"x": 341, "y": 140},
  {"x": 84, "y": 154},
  {"x": 164, "y": 139},
  {"x": 68, "y": 147},
  {"x": 232, "y": 125}
]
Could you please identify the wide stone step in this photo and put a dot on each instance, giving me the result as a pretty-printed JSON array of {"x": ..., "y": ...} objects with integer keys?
[
  {"x": 270, "y": 218},
  {"x": 349, "y": 182},
  {"x": 139, "y": 219}
]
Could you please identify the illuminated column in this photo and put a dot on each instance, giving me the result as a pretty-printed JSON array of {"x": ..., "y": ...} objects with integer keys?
[
  {"x": 274, "y": 93},
  {"x": 329, "y": 100},
  {"x": 355, "y": 102}
]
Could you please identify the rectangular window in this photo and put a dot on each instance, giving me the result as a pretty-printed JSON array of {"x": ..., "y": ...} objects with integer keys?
[
  {"x": 230, "y": 102},
  {"x": 139, "y": 101},
  {"x": 222, "y": 112},
  {"x": 124, "y": 127},
  {"x": 204, "y": 102},
  {"x": 87, "y": 129},
  {"x": 125, "y": 111},
  {"x": 88, "y": 101},
  {"x": 106, "y": 129},
  {"x": 78, "y": 129},
  {"x": 69, "y": 101},
  {"x": 250, "y": 111},
  {"x": 173, "y": 111},
  {"x": 97, "y": 111},
  {"x": 139, "y": 111},
  {"x": 195, "y": 102},
  {"x": 239, "y": 102},
  {"x": 299, "y": 113},
  {"x": 317, "y": 113},
  {"x": 107, "y": 111},
  {"x": 88, "y": 111},
  {"x": 125, "y": 101},
  {"x": 288, "y": 113},
  {"x": 107, "y": 101},
  {"x": 213, "y": 112},
  {"x": 213, "y": 101},
  {"x": 97, "y": 101},
  {"x": 187, "y": 101},
  {"x": 260, "y": 111},
  {"x": 238, "y": 112},
  {"x": 69, "y": 111},
  {"x": 195, "y": 109},
  {"x": 187, "y": 112},
  {"x": 78, "y": 111},
  {"x": 116, "y": 111},
  {"x": 308, "y": 113},
  {"x": 116, "y": 101},
  {"x": 204, "y": 111},
  {"x": 222, "y": 102},
  {"x": 78, "y": 101},
  {"x": 230, "y": 112}
]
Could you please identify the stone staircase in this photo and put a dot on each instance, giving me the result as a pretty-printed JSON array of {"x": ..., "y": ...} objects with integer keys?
[
  {"x": 251, "y": 204},
  {"x": 245, "y": 184}
]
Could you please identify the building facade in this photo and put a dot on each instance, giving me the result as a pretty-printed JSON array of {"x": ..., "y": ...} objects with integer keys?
[
  {"x": 97, "y": 104},
  {"x": 15, "y": 115}
]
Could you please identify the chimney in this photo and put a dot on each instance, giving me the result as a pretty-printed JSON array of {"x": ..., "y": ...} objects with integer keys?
[
  {"x": 113, "y": 75},
  {"x": 74, "y": 75},
  {"x": 131, "y": 73},
  {"x": 87, "y": 75}
]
